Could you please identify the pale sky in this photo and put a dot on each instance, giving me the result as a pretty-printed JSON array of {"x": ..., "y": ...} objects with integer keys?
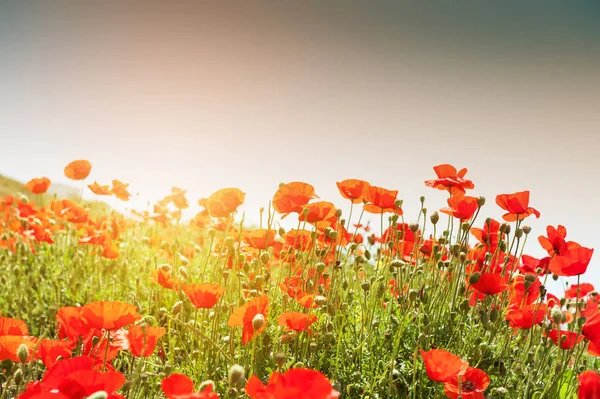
[{"x": 210, "y": 97}]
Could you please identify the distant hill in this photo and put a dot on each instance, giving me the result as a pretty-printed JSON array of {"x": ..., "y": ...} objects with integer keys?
[{"x": 9, "y": 186}]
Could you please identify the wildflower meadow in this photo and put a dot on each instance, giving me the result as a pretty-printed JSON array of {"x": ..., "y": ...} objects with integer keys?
[{"x": 98, "y": 303}]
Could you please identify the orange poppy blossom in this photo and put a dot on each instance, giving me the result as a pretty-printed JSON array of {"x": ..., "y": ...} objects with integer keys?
[
  {"x": 78, "y": 170},
  {"x": 381, "y": 200},
  {"x": 296, "y": 321},
  {"x": 461, "y": 207},
  {"x": 224, "y": 202},
  {"x": 524, "y": 289},
  {"x": 294, "y": 383},
  {"x": 100, "y": 190},
  {"x": 38, "y": 185},
  {"x": 143, "y": 339},
  {"x": 292, "y": 197},
  {"x": 589, "y": 385},
  {"x": 516, "y": 205},
  {"x": 260, "y": 238},
  {"x": 204, "y": 296},
  {"x": 252, "y": 316},
  {"x": 441, "y": 365},
  {"x": 353, "y": 189},
  {"x": 489, "y": 235},
  {"x": 9, "y": 326},
  {"x": 119, "y": 189},
  {"x": 180, "y": 386},
  {"x": 321, "y": 214},
  {"x": 9, "y": 346},
  {"x": 469, "y": 385},
  {"x": 109, "y": 315},
  {"x": 448, "y": 178},
  {"x": 162, "y": 276}
]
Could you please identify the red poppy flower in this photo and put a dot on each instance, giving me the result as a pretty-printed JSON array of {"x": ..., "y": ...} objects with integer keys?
[
  {"x": 568, "y": 342},
  {"x": 295, "y": 383},
  {"x": 527, "y": 316},
  {"x": 49, "y": 350},
  {"x": 491, "y": 283},
  {"x": 252, "y": 316},
  {"x": 224, "y": 202},
  {"x": 450, "y": 179},
  {"x": 70, "y": 323},
  {"x": 78, "y": 170},
  {"x": 516, "y": 205},
  {"x": 10, "y": 326},
  {"x": 579, "y": 289},
  {"x": 100, "y": 190},
  {"x": 109, "y": 315},
  {"x": 143, "y": 339},
  {"x": 292, "y": 197},
  {"x": 525, "y": 292},
  {"x": 380, "y": 200},
  {"x": 179, "y": 386},
  {"x": 299, "y": 239},
  {"x": 442, "y": 366},
  {"x": 470, "y": 385},
  {"x": 462, "y": 207},
  {"x": 572, "y": 263},
  {"x": 589, "y": 385},
  {"x": 204, "y": 296},
  {"x": 594, "y": 348},
  {"x": 82, "y": 384},
  {"x": 555, "y": 242},
  {"x": 296, "y": 321},
  {"x": 353, "y": 189},
  {"x": 591, "y": 328},
  {"x": 119, "y": 189},
  {"x": 529, "y": 264},
  {"x": 38, "y": 186},
  {"x": 488, "y": 235}
]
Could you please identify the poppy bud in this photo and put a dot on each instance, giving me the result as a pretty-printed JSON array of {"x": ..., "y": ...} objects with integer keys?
[
  {"x": 360, "y": 259},
  {"x": 556, "y": 314},
  {"x": 581, "y": 321},
  {"x": 518, "y": 233},
  {"x": 205, "y": 385},
  {"x": 23, "y": 353},
  {"x": 414, "y": 227},
  {"x": 211, "y": 232},
  {"x": 235, "y": 375},
  {"x": 398, "y": 203},
  {"x": 413, "y": 295},
  {"x": 480, "y": 201},
  {"x": 332, "y": 235},
  {"x": 281, "y": 231},
  {"x": 98, "y": 395},
  {"x": 338, "y": 213},
  {"x": 18, "y": 376},
  {"x": 177, "y": 308},
  {"x": 280, "y": 359},
  {"x": 435, "y": 217},
  {"x": 526, "y": 229},
  {"x": 366, "y": 286},
  {"x": 455, "y": 250},
  {"x": 305, "y": 211},
  {"x": 500, "y": 391},
  {"x": 474, "y": 278},
  {"x": 465, "y": 226},
  {"x": 265, "y": 257},
  {"x": 183, "y": 272},
  {"x": 527, "y": 283},
  {"x": 258, "y": 321},
  {"x": 502, "y": 246}
]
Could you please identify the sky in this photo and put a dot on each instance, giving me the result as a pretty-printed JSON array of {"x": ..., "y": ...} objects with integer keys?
[{"x": 204, "y": 95}]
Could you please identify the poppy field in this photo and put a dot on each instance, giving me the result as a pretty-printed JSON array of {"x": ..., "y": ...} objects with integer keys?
[{"x": 147, "y": 304}]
